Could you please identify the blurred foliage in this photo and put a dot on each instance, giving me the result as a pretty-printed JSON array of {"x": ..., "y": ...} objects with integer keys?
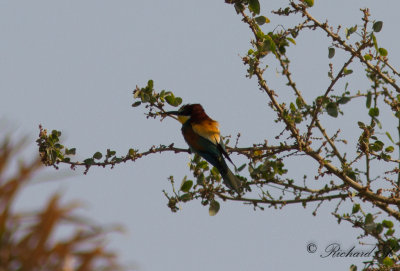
[{"x": 28, "y": 240}]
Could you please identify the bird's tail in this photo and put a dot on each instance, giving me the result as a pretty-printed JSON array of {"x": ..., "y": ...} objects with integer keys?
[{"x": 231, "y": 181}]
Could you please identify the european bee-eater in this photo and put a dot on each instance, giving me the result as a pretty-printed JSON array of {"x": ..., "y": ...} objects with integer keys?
[{"x": 202, "y": 135}]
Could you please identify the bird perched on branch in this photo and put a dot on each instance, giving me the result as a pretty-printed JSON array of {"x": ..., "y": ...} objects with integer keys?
[{"x": 202, "y": 135}]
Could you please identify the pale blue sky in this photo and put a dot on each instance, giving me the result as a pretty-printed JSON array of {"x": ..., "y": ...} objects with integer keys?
[{"x": 72, "y": 66}]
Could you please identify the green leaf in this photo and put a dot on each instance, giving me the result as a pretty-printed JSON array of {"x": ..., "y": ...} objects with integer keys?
[
  {"x": 377, "y": 122},
  {"x": 369, "y": 219},
  {"x": 379, "y": 228},
  {"x": 385, "y": 157},
  {"x": 374, "y": 112},
  {"x": 88, "y": 161},
  {"x": 299, "y": 102},
  {"x": 322, "y": 99},
  {"x": 389, "y": 232},
  {"x": 201, "y": 179},
  {"x": 58, "y": 146},
  {"x": 254, "y": 6},
  {"x": 374, "y": 41},
  {"x": 387, "y": 224},
  {"x": 353, "y": 267},
  {"x": 178, "y": 101},
  {"x": 369, "y": 99},
  {"x": 185, "y": 187},
  {"x": 170, "y": 99},
  {"x": 203, "y": 164},
  {"x": 185, "y": 197},
  {"x": 331, "y": 52},
  {"x": 377, "y": 26},
  {"x": 292, "y": 107},
  {"x": 291, "y": 40},
  {"x": 377, "y": 146},
  {"x": 97, "y": 155},
  {"x": 150, "y": 84},
  {"x": 361, "y": 124},
  {"x": 349, "y": 31},
  {"x": 343, "y": 100},
  {"x": 145, "y": 97},
  {"x": 309, "y": 3},
  {"x": 347, "y": 72},
  {"x": 388, "y": 262},
  {"x": 239, "y": 7},
  {"x": 241, "y": 167},
  {"x": 389, "y": 149},
  {"x": 55, "y": 133},
  {"x": 71, "y": 151},
  {"x": 215, "y": 173},
  {"x": 269, "y": 44},
  {"x": 382, "y": 51},
  {"x": 356, "y": 208},
  {"x": 214, "y": 208},
  {"x": 110, "y": 153},
  {"x": 390, "y": 137},
  {"x": 136, "y": 104},
  {"x": 260, "y": 20},
  {"x": 368, "y": 57},
  {"x": 394, "y": 244},
  {"x": 332, "y": 109},
  {"x": 131, "y": 152}
]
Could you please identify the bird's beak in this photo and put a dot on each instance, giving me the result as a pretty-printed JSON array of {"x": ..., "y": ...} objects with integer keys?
[
  {"x": 176, "y": 113},
  {"x": 181, "y": 118}
]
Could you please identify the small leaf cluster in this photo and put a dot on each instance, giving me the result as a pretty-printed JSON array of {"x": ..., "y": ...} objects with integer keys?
[
  {"x": 380, "y": 51},
  {"x": 240, "y": 5},
  {"x": 275, "y": 43},
  {"x": 270, "y": 43},
  {"x": 388, "y": 245},
  {"x": 147, "y": 95},
  {"x": 368, "y": 142},
  {"x": 206, "y": 187},
  {"x": 267, "y": 170},
  {"x": 296, "y": 112},
  {"x": 332, "y": 104},
  {"x": 51, "y": 151}
]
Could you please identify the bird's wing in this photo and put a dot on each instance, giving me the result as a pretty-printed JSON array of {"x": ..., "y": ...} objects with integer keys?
[
  {"x": 221, "y": 148},
  {"x": 208, "y": 129}
]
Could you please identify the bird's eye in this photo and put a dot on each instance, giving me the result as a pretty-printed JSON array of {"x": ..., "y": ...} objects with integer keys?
[{"x": 183, "y": 110}]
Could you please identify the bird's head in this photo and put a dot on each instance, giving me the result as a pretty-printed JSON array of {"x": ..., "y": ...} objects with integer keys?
[{"x": 188, "y": 111}]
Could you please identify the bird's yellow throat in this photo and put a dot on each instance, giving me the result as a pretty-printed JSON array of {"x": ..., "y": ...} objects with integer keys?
[{"x": 183, "y": 119}]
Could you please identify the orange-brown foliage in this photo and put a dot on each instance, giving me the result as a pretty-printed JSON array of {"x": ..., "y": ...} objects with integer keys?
[{"x": 28, "y": 241}]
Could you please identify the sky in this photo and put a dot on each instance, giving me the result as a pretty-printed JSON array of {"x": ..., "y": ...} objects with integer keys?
[{"x": 72, "y": 66}]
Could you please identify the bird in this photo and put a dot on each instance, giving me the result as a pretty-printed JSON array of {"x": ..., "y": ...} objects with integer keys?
[{"x": 202, "y": 135}]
